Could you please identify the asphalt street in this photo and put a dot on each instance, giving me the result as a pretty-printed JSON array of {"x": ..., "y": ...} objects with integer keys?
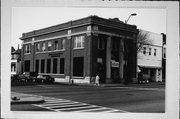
[{"x": 136, "y": 99}]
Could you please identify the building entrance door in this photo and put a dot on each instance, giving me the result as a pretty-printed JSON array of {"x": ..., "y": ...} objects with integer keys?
[
  {"x": 115, "y": 74},
  {"x": 102, "y": 73}
]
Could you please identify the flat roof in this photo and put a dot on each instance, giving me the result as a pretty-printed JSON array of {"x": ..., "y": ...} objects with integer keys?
[{"x": 112, "y": 22}]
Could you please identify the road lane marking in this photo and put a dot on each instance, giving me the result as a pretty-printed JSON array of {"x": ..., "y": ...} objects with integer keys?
[{"x": 151, "y": 89}]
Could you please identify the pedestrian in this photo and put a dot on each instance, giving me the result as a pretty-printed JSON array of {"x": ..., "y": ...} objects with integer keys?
[{"x": 97, "y": 80}]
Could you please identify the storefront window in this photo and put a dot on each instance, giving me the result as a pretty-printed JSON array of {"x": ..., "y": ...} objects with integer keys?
[
  {"x": 78, "y": 66},
  {"x": 54, "y": 66},
  {"x": 62, "y": 66},
  {"x": 48, "y": 66},
  {"x": 42, "y": 66}
]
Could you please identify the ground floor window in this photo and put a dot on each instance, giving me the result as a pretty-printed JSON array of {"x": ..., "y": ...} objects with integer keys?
[
  {"x": 62, "y": 66},
  {"x": 78, "y": 66},
  {"x": 27, "y": 66},
  {"x": 48, "y": 66},
  {"x": 42, "y": 65},
  {"x": 37, "y": 66},
  {"x": 13, "y": 67},
  {"x": 54, "y": 65}
]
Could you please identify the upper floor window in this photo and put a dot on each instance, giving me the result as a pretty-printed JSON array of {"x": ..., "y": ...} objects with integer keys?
[
  {"x": 56, "y": 45},
  {"x": 79, "y": 42},
  {"x": 164, "y": 52},
  {"x": 62, "y": 44},
  {"x": 43, "y": 46},
  {"x": 155, "y": 52},
  {"x": 27, "y": 48},
  {"x": 149, "y": 51},
  {"x": 49, "y": 45},
  {"x": 37, "y": 47},
  {"x": 144, "y": 50},
  {"x": 101, "y": 43}
]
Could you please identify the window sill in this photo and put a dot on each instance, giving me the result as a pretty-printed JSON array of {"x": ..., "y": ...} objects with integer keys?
[
  {"x": 76, "y": 77},
  {"x": 27, "y": 53},
  {"x": 78, "y": 48},
  {"x": 49, "y": 51}
]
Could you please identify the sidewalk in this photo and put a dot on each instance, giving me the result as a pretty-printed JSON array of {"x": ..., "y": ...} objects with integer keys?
[
  {"x": 20, "y": 98},
  {"x": 152, "y": 84}
]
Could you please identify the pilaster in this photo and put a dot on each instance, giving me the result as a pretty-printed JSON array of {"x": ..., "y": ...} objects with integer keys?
[{"x": 108, "y": 60}]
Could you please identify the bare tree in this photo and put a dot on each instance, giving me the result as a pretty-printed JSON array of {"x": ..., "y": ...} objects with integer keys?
[{"x": 143, "y": 39}]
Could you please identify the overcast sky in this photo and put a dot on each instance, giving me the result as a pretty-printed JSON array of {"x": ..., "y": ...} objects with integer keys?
[{"x": 26, "y": 19}]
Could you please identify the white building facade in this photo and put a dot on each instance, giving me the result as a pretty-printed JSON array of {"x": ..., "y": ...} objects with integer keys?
[
  {"x": 150, "y": 57},
  {"x": 15, "y": 62}
]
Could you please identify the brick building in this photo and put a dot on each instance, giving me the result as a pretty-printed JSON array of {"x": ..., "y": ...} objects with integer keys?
[{"x": 79, "y": 50}]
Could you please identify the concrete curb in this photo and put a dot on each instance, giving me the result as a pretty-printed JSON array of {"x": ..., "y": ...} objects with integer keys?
[
  {"x": 112, "y": 85},
  {"x": 28, "y": 100}
]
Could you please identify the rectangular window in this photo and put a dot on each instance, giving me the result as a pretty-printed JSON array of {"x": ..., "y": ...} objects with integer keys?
[
  {"x": 164, "y": 53},
  {"x": 37, "y": 47},
  {"x": 37, "y": 66},
  {"x": 43, "y": 46},
  {"x": 49, "y": 45},
  {"x": 27, "y": 48},
  {"x": 79, "y": 42},
  {"x": 42, "y": 66},
  {"x": 145, "y": 71},
  {"x": 155, "y": 52},
  {"x": 149, "y": 51},
  {"x": 48, "y": 66},
  {"x": 62, "y": 66},
  {"x": 27, "y": 66},
  {"x": 78, "y": 66},
  {"x": 56, "y": 45},
  {"x": 144, "y": 50},
  {"x": 62, "y": 44},
  {"x": 54, "y": 66},
  {"x": 101, "y": 43}
]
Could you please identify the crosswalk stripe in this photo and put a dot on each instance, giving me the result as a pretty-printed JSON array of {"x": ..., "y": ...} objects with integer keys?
[
  {"x": 68, "y": 109},
  {"x": 57, "y": 105},
  {"x": 69, "y": 106},
  {"x": 91, "y": 110},
  {"x": 72, "y": 106},
  {"x": 72, "y": 103}
]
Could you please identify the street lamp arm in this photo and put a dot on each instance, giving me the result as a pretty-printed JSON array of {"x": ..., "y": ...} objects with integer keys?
[{"x": 134, "y": 14}]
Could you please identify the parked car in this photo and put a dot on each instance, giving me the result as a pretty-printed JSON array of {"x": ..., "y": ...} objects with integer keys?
[
  {"x": 44, "y": 79},
  {"x": 27, "y": 77},
  {"x": 15, "y": 77}
]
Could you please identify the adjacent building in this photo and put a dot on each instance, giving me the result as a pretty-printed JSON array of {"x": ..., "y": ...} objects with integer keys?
[
  {"x": 151, "y": 58},
  {"x": 77, "y": 51},
  {"x": 16, "y": 61}
]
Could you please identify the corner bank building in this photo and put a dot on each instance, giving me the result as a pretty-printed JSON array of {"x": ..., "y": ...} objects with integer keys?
[{"x": 81, "y": 49}]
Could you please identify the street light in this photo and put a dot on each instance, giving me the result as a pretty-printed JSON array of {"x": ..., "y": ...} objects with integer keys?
[
  {"x": 126, "y": 52},
  {"x": 133, "y": 14}
]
